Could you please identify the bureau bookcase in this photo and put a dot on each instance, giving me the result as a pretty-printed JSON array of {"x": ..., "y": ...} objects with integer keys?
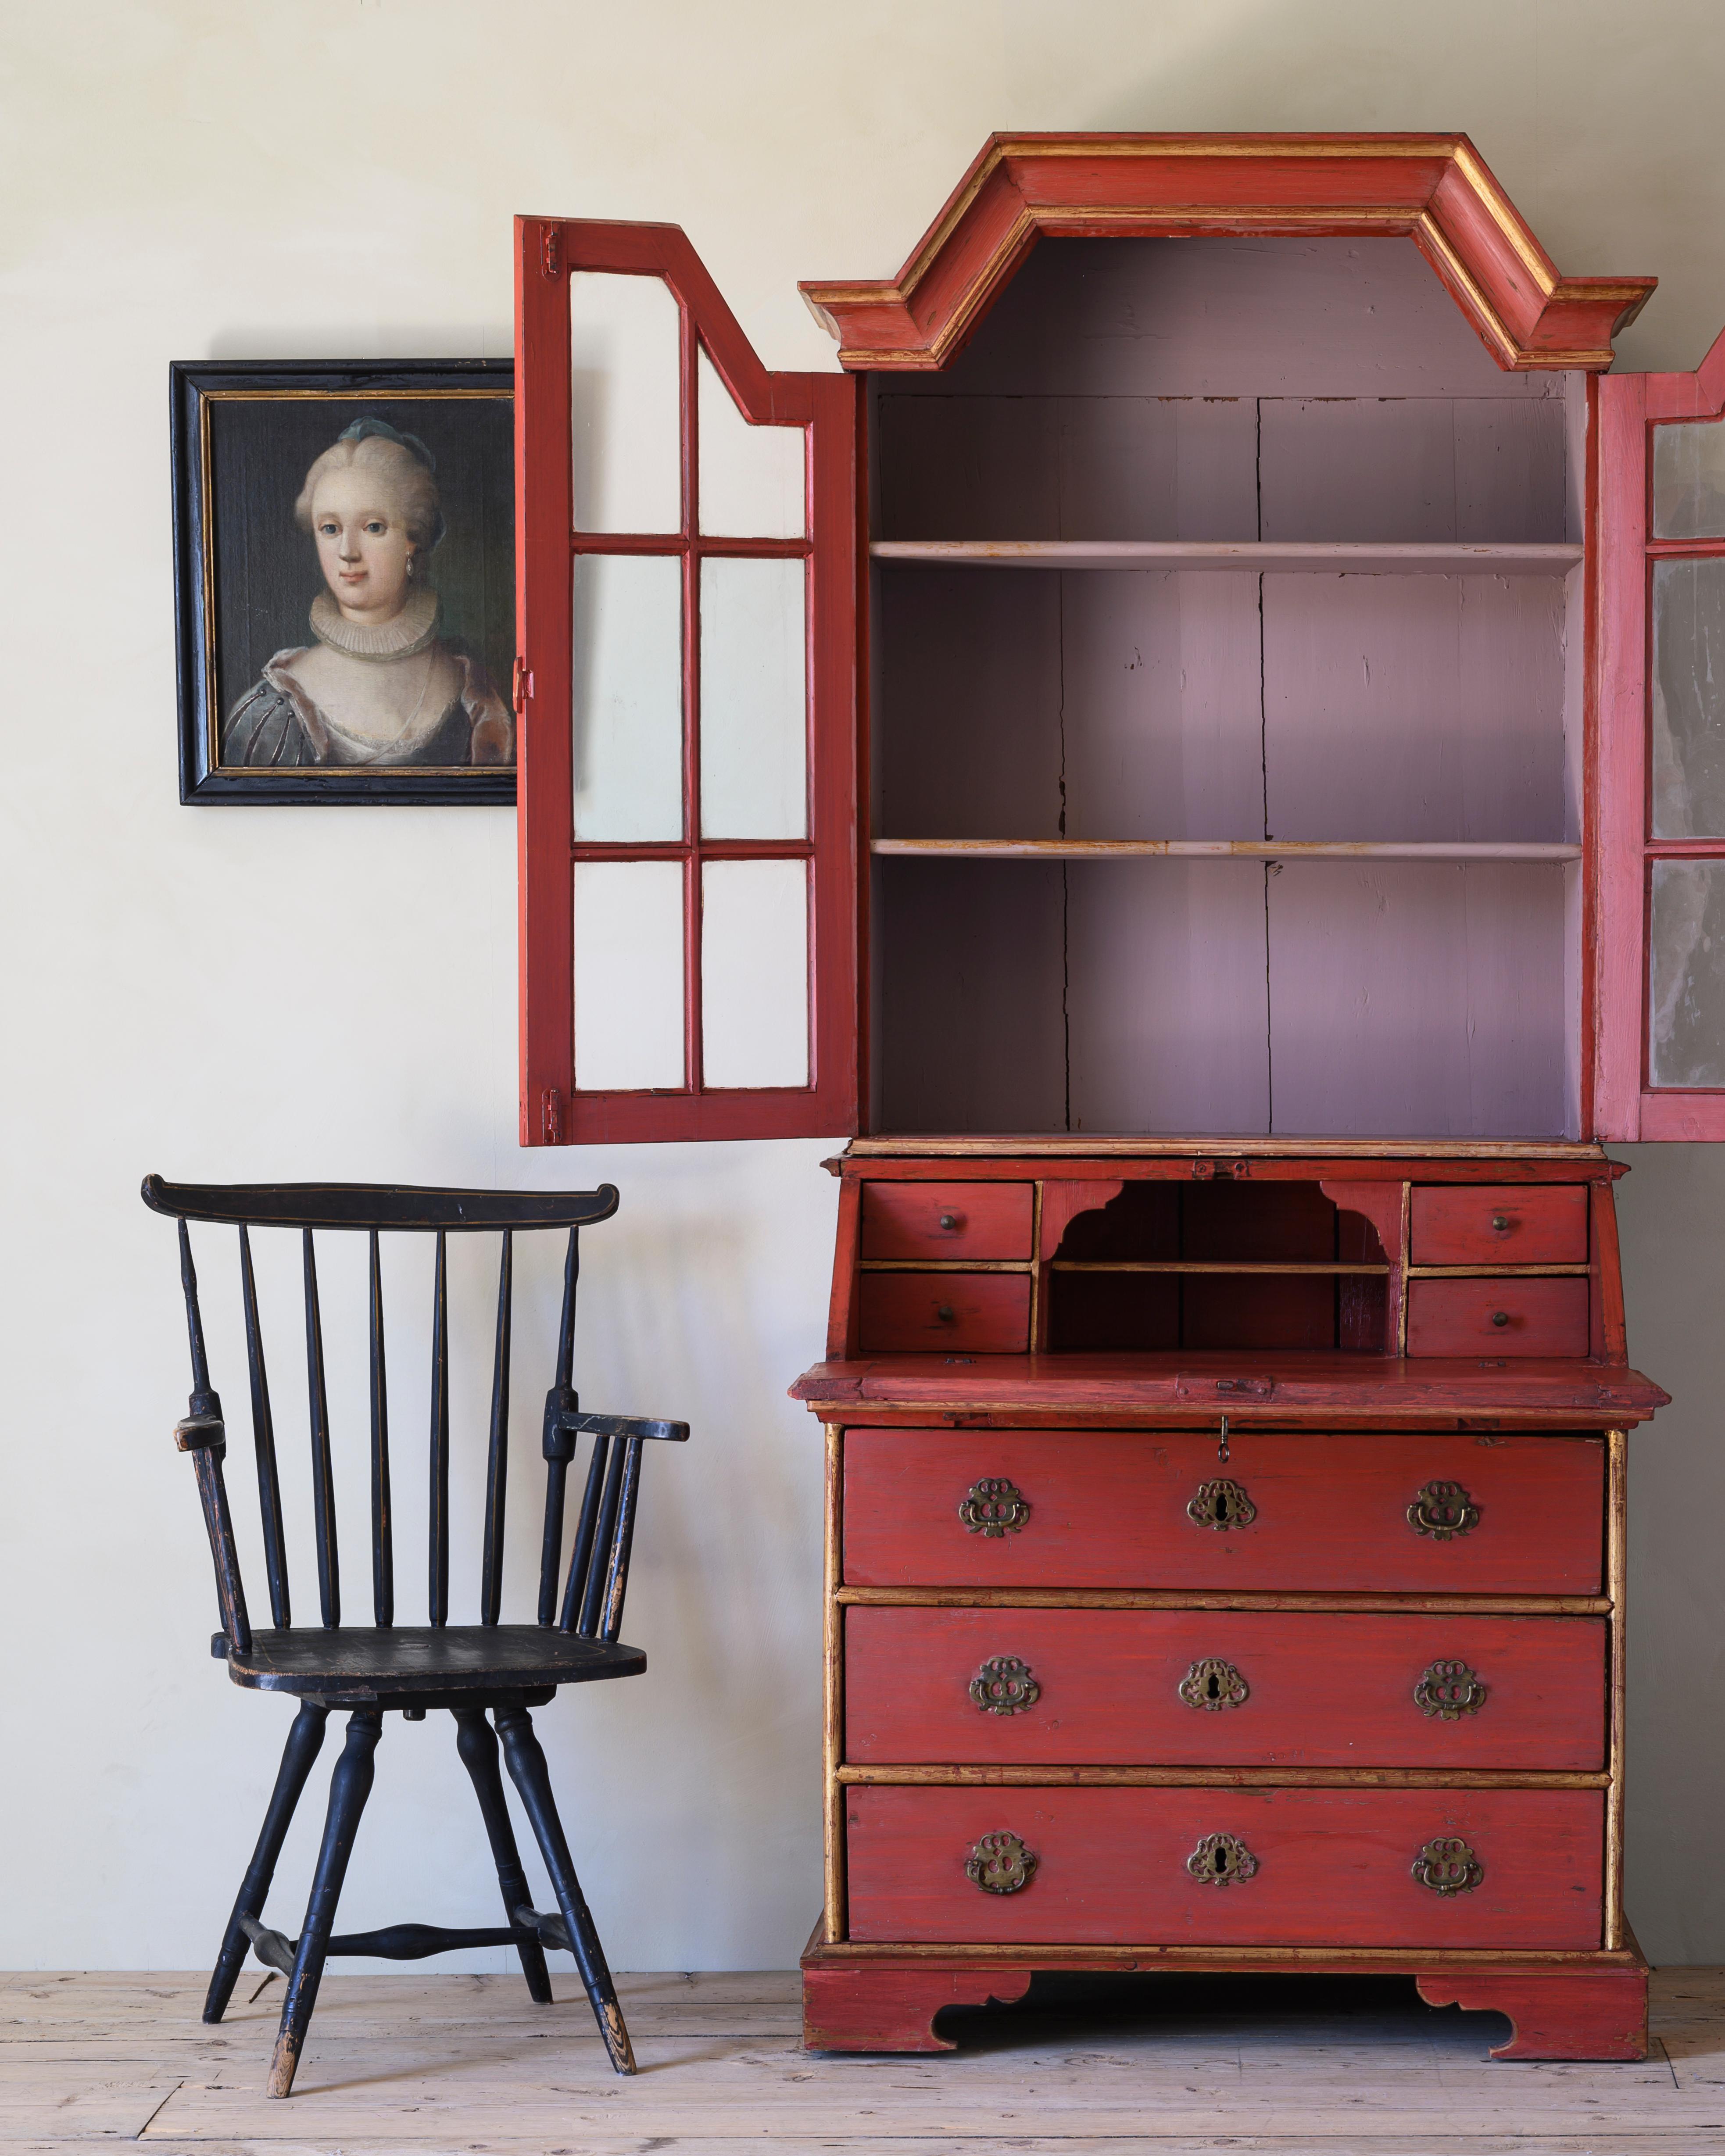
[{"x": 1198, "y": 751}]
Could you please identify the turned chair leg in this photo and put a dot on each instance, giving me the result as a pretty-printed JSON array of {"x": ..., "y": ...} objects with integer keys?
[
  {"x": 350, "y": 1785},
  {"x": 304, "y": 1742},
  {"x": 477, "y": 1743},
  {"x": 527, "y": 1771}
]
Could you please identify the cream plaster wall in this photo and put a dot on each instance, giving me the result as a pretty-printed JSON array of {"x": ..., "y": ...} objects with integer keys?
[{"x": 253, "y": 992}]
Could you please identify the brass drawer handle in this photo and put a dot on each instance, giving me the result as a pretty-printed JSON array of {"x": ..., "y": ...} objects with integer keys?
[
  {"x": 994, "y": 1507},
  {"x": 1000, "y": 1864},
  {"x": 1449, "y": 1689},
  {"x": 1219, "y": 1860},
  {"x": 1213, "y": 1685},
  {"x": 1443, "y": 1511},
  {"x": 1221, "y": 1504},
  {"x": 1003, "y": 1685},
  {"x": 1448, "y": 1866}
]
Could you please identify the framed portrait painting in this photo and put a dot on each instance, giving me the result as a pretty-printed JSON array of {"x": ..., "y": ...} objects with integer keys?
[{"x": 345, "y": 580}]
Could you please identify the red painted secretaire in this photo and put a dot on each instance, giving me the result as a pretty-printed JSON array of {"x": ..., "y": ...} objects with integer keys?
[{"x": 1206, "y": 741}]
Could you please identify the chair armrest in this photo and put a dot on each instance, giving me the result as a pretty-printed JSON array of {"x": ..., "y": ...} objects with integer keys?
[
  {"x": 201, "y": 1433},
  {"x": 610, "y": 1425}
]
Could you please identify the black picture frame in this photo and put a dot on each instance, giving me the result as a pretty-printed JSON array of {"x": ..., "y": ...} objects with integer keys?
[{"x": 241, "y": 432}]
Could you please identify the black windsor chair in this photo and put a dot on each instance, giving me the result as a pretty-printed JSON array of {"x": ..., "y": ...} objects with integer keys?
[{"x": 383, "y": 1668}]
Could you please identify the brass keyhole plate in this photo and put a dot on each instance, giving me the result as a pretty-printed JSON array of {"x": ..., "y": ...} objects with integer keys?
[
  {"x": 1220, "y": 1859},
  {"x": 1213, "y": 1685},
  {"x": 1221, "y": 1504}
]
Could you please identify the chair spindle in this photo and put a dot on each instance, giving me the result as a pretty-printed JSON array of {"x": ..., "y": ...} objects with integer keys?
[
  {"x": 590, "y": 1600},
  {"x": 558, "y": 1444},
  {"x": 617, "y": 1575},
  {"x": 263, "y": 1443},
  {"x": 383, "y": 1516},
  {"x": 204, "y": 1436},
  {"x": 438, "y": 1513},
  {"x": 323, "y": 1485},
  {"x": 586, "y": 1536},
  {"x": 497, "y": 1462}
]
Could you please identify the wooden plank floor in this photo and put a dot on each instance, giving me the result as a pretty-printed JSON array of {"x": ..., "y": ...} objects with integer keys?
[{"x": 1165, "y": 2065}]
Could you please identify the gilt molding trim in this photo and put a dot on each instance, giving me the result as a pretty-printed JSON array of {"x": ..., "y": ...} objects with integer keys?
[{"x": 1435, "y": 189}]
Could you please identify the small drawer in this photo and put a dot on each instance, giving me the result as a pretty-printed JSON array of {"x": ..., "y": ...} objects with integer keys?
[
  {"x": 1222, "y": 1687},
  {"x": 1508, "y": 1225},
  {"x": 982, "y": 1313},
  {"x": 1226, "y": 1867},
  {"x": 1497, "y": 1317},
  {"x": 946, "y": 1220},
  {"x": 1290, "y": 1512}
]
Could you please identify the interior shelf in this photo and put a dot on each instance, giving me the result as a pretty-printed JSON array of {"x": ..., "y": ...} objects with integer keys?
[
  {"x": 1448, "y": 557},
  {"x": 1091, "y": 850}
]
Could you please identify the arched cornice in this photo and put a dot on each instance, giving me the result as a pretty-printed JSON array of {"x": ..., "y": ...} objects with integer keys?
[{"x": 1435, "y": 189}]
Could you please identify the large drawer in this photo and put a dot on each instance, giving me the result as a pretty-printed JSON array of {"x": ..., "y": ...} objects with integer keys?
[
  {"x": 1137, "y": 1866},
  {"x": 1289, "y": 1512},
  {"x": 1193, "y": 1688}
]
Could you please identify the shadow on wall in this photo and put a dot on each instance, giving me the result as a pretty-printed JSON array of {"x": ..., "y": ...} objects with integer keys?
[{"x": 1671, "y": 1213}]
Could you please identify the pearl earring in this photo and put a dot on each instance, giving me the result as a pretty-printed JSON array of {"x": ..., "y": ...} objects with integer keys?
[{"x": 410, "y": 565}]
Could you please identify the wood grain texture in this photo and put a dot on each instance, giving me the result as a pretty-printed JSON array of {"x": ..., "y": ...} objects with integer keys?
[
  {"x": 1321, "y": 1690},
  {"x": 1506, "y": 1226},
  {"x": 1324, "y": 1389},
  {"x": 1110, "y": 1510},
  {"x": 1350, "y": 2063},
  {"x": 1497, "y": 1317},
  {"x": 1112, "y": 1864}
]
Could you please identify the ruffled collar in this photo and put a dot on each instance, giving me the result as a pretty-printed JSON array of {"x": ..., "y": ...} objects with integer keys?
[{"x": 399, "y": 638}]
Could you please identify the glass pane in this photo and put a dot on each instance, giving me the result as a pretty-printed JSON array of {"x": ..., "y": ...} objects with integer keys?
[
  {"x": 752, "y": 478},
  {"x": 1689, "y": 481},
  {"x": 754, "y": 972},
  {"x": 1685, "y": 951},
  {"x": 628, "y": 975},
  {"x": 627, "y": 413},
  {"x": 1689, "y": 700},
  {"x": 627, "y": 682},
  {"x": 754, "y": 700}
]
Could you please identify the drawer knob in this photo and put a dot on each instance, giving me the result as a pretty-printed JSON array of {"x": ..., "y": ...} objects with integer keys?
[
  {"x": 951, "y": 1222},
  {"x": 1500, "y": 1318},
  {"x": 1221, "y": 1504},
  {"x": 1500, "y": 1224},
  {"x": 1213, "y": 1685},
  {"x": 994, "y": 1507},
  {"x": 1449, "y": 1689},
  {"x": 1443, "y": 1511},
  {"x": 1003, "y": 1685},
  {"x": 943, "y": 1313},
  {"x": 1000, "y": 1864},
  {"x": 1219, "y": 1860},
  {"x": 1448, "y": 1866}
]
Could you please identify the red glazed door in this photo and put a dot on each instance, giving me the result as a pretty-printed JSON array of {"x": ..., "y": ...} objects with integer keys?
[
  {"x": 687, "y": 534},
  {"x": 1660, "y": 1063}
]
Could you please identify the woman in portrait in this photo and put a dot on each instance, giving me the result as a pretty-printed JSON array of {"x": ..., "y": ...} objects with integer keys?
[{"x": 379, "y": 685}]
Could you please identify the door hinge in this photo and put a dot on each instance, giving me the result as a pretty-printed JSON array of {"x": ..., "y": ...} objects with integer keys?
[
  {"x": 551, "y": 1116},
  {"x": 523, "y": 687},
  {"x": 550, "y": 256}
]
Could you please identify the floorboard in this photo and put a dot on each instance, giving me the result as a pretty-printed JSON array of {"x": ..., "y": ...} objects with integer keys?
[{"x": 420, "y": 2065}]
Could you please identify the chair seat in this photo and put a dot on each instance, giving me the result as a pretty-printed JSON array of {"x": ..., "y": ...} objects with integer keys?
[{"x": 364, "y": 1662}]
